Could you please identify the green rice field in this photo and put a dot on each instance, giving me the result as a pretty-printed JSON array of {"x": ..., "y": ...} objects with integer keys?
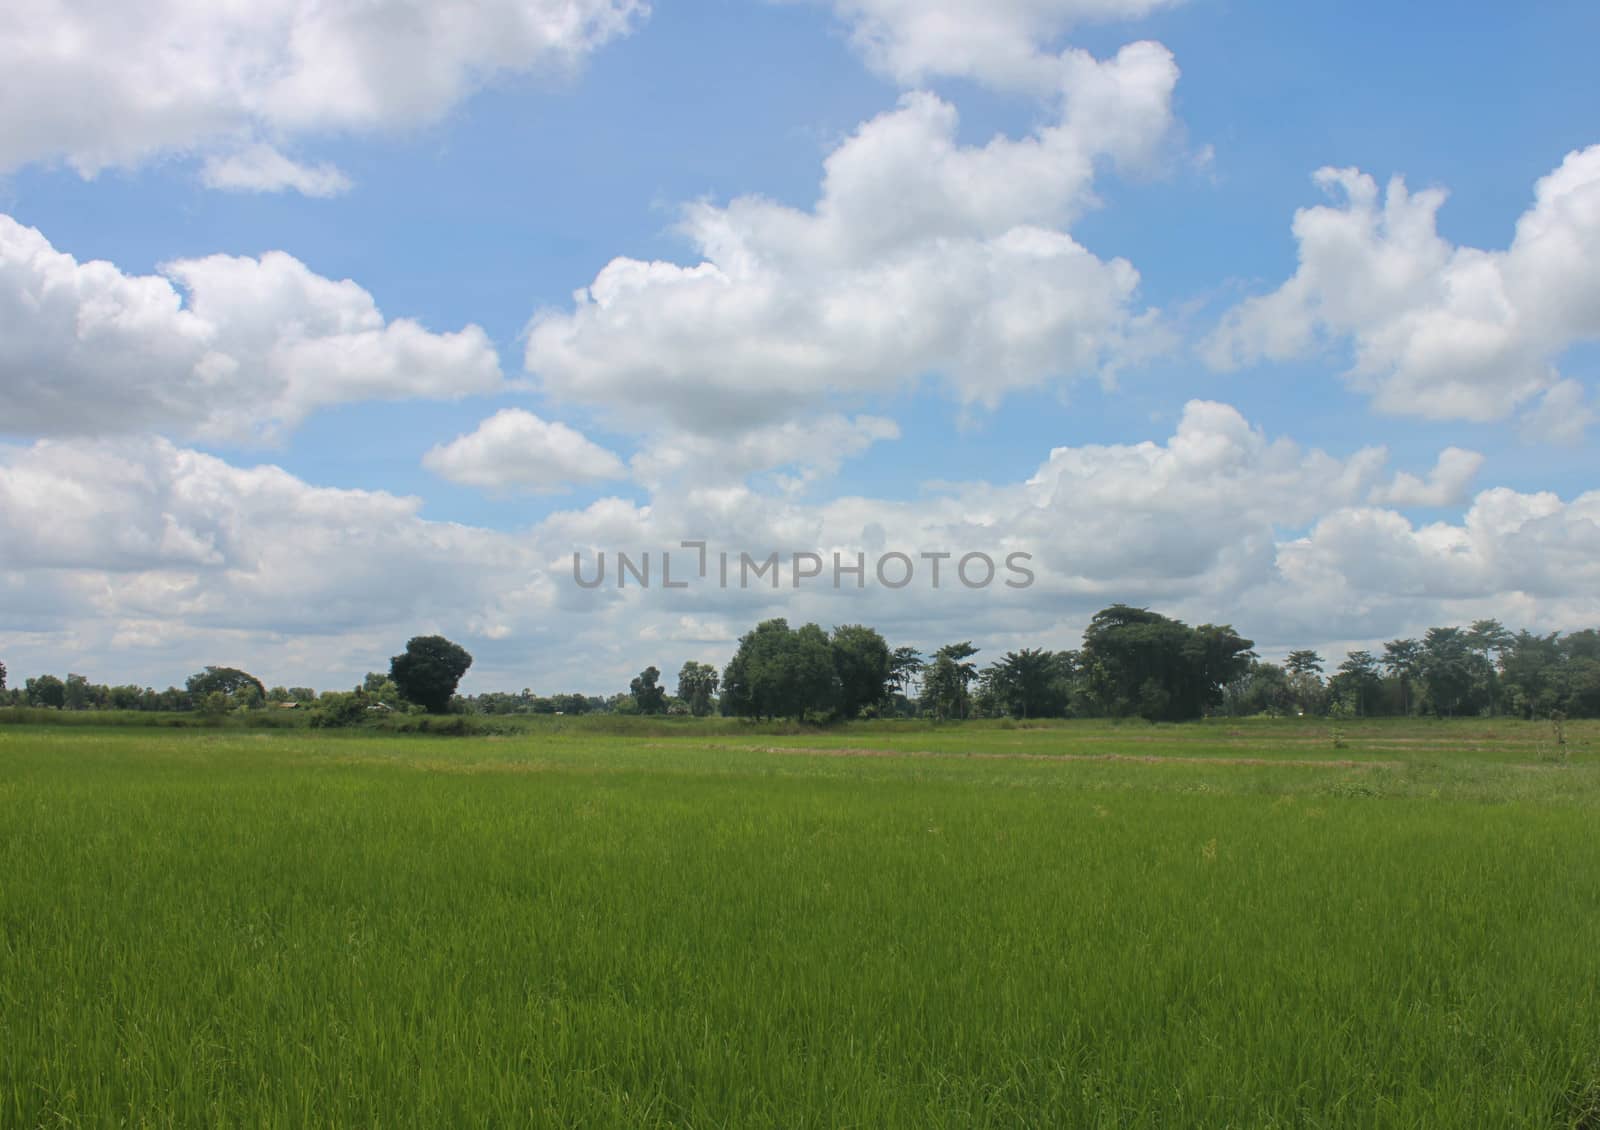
[{"x": 1253, "y": 924}]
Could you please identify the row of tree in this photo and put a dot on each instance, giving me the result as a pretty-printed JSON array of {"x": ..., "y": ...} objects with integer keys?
[
  {"x": 1133, "y": 662},
  {"x": 1481, "y": 670}
]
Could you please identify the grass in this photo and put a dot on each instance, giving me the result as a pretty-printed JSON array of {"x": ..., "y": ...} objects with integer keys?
[{"x": 1070, "y": 925}]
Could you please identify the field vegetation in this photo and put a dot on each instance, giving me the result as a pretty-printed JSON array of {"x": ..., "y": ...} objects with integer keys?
[{"x": 638, "y": 922}]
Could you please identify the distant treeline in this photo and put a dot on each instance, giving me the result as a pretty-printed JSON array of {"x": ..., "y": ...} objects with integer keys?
[{"x": 1133, "y": 663}]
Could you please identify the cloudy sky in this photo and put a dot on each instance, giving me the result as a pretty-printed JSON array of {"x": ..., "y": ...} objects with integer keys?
[{"x": 324, "y": 324}]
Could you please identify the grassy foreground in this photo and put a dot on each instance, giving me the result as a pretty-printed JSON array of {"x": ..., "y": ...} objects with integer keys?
[{"x": 1081, "y": 925}]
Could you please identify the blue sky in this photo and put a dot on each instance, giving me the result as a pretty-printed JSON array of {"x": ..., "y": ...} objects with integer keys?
[{"x": 533, "y": 167}]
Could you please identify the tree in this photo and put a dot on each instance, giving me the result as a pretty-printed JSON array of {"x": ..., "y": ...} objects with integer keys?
[
  {"x": 943, "y": 689},
  {"x": 1305, "y": 662},
  {"x": 697, "y": 685},
  {"x": 1305, "y": 677},
  {"x": 816, "y": 684},
  {"x": 1031, "y": 683},
  {"x": 1135, "y": 661},
  {"x": 1489, "y": 639},
  {"x": 780, "y": 672},
  {"x": 1357, "y": 681},
  {"x": 1446, "y": 669},
  {"x": 650, "y": 698},
  {"x": 225, "y": 680},
  {"x": 2, "y": 676},
  {"x": 46, "y": 690},
  {"x": 946, "y": 681},
  {"x": 905, "y": 664},
  {"x": 1403, "y": 660},
  {"x": 428, "y": 672},
  {"x": 863, "y": 666},
  {"x": 76, "y": 693},
  {"x": 214, "y": 704},
  {"x": 1263, "y": 689}
]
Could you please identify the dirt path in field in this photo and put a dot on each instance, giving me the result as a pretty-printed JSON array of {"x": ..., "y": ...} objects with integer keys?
[{"x": 1145, "y": 759}]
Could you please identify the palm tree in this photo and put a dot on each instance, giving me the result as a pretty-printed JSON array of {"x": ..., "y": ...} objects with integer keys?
[
  {"x": 905, "y": 667},
  {"x": 961, "y": 655},
  {"x": 1403, "y": 659}
]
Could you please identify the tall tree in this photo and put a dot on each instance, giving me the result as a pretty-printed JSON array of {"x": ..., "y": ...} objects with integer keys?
[
  {"x": 905, "y": 668},
  {"x": 697, "y": 685},
  {"x": 648, "y": 694},
  {"x": 429, "y": 670},
  {"x": 1305, "y": 677},
  {"x": 46, "y": 690},
  {"x": 1357, "y": 681},
  {"x": 781, "y": 672},
  {"x": 862, "y": 665},
  {"x": 1489, "y": 639},
  {"x": 225, "y": 680},
  {"x": 76, "y": 693},
  {"x": 943, "y": 688},
  {"x": 1403, "y": 660},
  {"x": 947, "y": 683},
  {"x": 1135, "y": 661},
  {"x": 1031, "y": 683},
  {"x": 1447, "y": 669},
  {"x": 1305, "y": 662}
]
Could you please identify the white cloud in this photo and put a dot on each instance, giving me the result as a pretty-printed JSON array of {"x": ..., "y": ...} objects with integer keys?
[
  {"x": 806, "y": 448},
  {"x": 1439, "y": 331},
  {"x": 135, "y": 559},
  {"x": 1562, "y": 416},
  {"x": 998, "y": 42},
  {"x": 1446, "y": 484},
  {"x": 516, "y": 450},
  {"x": 100, "y": 83},
  {"x": 222, "y": 348},
  {"x": 922, "y": 256},
  {"x": 261, "y": 168}
]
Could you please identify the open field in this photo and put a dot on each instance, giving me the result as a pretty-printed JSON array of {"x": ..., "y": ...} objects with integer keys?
[{"x": 711, "y": 925}]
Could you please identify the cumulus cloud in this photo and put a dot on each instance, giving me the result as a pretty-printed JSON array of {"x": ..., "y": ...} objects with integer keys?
[
  {"x": 516, "y": 450},
  {"x": 222, "y": 348},
  {"x": 136, "y": 558},
  {"x": 100, "y": 83},
  {"x": 261, "y": 168},
  {"x": 1562, "y": 416},
  {"x": 1437, "y": 330},
  {"x": 922, "y": 256},
  {"x": 1446, "y": 484},
  {"x": 806, "y": 449},
  {"x": 1003, "y": 43}
]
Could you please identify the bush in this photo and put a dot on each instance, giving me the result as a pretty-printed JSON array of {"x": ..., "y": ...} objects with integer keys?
[{"x": 335, "y": 710}]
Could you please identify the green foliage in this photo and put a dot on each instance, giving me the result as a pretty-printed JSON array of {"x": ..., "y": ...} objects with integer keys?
[
  {"x": 1357, "y": 686},
  {"x": 225, "y": 680},
  {"x": 1447, "y": 669},
  {"x": 862, "y": 666},
  {"x": 429, "y": 670},
  {"x": 214, "y": 704},
  {"x": 46, "y": 690},
  {"x": 338, "y": 709},
  {"x": 1140, "y": 662},
  {"x": 648, "y": 695},
  {"x": 697, "y": 687},
  {"x": 947, "y": 681},
  {"x": 779, "y": 672},
  {"x": 1031, "y": 683}
]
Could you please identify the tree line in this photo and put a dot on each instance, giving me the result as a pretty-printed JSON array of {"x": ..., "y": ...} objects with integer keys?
[{"x": 1133, "y": 663}]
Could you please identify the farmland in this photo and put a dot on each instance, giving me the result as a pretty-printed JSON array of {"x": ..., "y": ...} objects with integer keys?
[{"x": 715, "y": 925}]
